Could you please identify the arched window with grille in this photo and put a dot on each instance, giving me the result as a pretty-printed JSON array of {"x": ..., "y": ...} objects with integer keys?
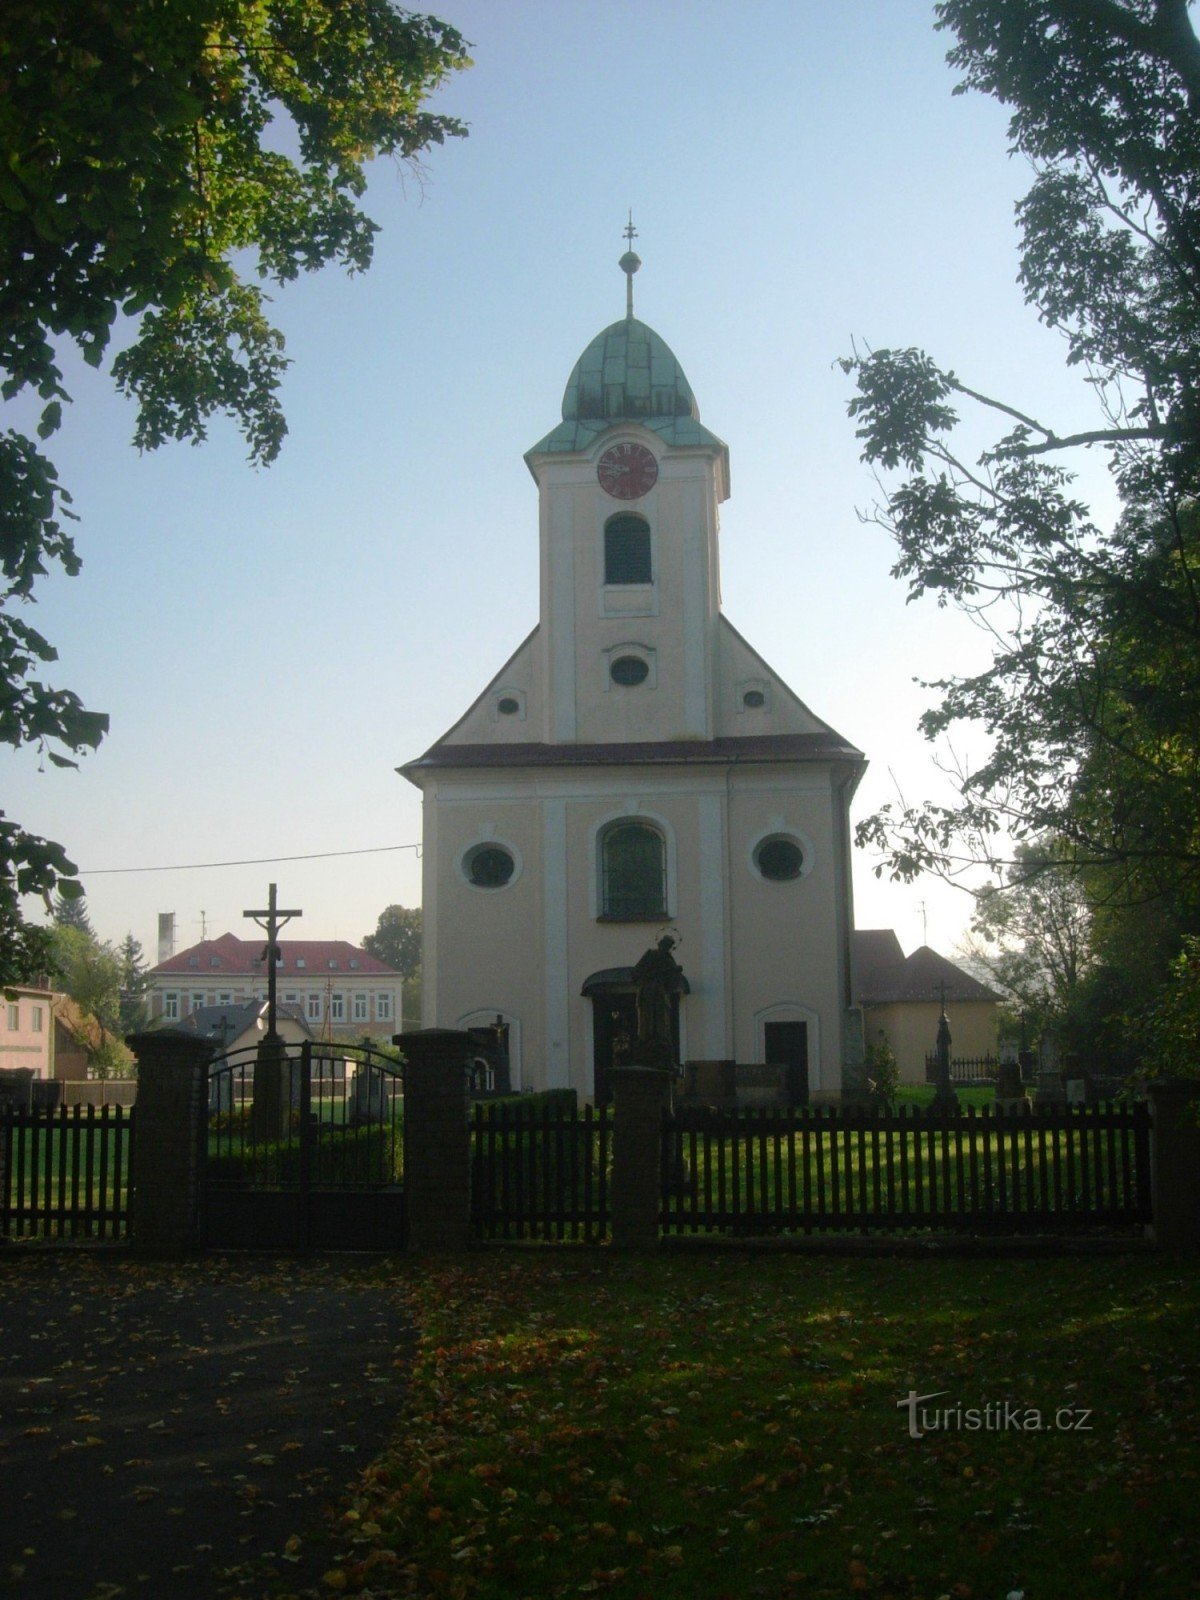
[
  {"x": 627, "y": 550},
  {"x": 633, "y": 872}
]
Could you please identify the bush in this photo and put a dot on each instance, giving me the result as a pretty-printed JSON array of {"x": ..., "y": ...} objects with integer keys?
[
  {"x": 532, "y": 1105},
  {"x": 366, "y": 1155},
  {"x": 883, "y": 1075}
]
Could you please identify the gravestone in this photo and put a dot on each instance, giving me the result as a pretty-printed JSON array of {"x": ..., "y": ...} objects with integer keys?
[
  {"x": 369, "y": 1096},
  {"x": 220, "y": 1092},
  {"x": 1049, "y": 1090},
  {"x": 1010, "y": 1088}
]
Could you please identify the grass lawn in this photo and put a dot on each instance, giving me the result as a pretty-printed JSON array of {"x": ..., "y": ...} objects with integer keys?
[
  {"x": 691, "y": 1428},
  {"x": 921, "y": 1094}
]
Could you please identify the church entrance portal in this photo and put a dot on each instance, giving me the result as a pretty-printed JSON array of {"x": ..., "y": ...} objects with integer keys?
[
  {"x": 785, "y": 1044},
  {"x": 614, "y": 1024}
]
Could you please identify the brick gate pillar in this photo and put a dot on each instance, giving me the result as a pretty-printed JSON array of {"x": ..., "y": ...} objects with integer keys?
[
  {"x": 170, "y": 1127},
  {"x": 1175, "y": 1163},
  {"x": 635, "y": 1188},
  {"x": 437, "y": 1139}
]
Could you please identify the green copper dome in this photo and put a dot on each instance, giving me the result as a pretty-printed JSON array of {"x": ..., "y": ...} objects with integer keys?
[
  {"x": 627, "y": 371},
  {"x": 627, "y": 374}
]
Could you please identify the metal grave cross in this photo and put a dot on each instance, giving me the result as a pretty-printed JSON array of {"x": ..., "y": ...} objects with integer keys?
[{"x": 276, "y": 919}]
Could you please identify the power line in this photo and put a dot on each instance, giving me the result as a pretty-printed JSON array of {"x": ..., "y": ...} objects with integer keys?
[{"x": 253, "y": 861}]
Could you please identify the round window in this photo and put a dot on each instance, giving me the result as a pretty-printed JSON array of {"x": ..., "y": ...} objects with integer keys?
[
  {"x": 489, "y": 866},
  {"x": 779, "y": 859},
  {"x": 508, "y": 707},
  {"x": 753, "y": 699},
  {"x": 629, "y": 670}
]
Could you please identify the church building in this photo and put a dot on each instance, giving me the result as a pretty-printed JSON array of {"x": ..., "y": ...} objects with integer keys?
[{"x": 636, "y": 769}]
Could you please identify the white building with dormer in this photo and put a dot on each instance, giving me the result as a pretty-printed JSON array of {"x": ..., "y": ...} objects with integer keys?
[{"x": 636, "y": 768}]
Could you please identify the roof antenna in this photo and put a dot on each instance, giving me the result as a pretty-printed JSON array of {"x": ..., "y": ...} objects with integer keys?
[{"x": 629, "y": 263}]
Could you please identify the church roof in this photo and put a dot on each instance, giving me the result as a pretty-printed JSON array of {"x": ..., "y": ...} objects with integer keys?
[
  {"x": 827, "y": 746},
  {"x": 627, "y": 373}
]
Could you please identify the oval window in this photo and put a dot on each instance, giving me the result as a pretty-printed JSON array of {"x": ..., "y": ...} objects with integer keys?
[
  {"x": 753, "y": 699},
  {"x": 489, "y": 866},
  {"x": 779, "y": 859},
  {"x": 508, "y": 707},
  {"x": 629, "y": 670}
]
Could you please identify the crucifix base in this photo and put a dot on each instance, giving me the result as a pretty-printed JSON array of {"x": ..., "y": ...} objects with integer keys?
[{"x": 271, "y": 1108}]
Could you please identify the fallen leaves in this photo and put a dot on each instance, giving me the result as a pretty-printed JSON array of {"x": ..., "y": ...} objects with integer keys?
[{"x": 661, "y": 1426}]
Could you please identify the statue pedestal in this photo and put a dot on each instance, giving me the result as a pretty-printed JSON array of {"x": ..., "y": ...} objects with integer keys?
[{"x": 640, "y": 1095}]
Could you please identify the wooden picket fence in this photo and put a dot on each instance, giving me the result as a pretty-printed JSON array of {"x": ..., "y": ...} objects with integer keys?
[
  {"x": 540, "y": 1171},
  {"x": 1046, "y": 1170},
  {"x": 65, "y": 1172},
  {"x": 543, "y": 1173}
]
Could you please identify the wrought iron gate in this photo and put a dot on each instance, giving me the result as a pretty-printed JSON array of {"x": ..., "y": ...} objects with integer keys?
[{"x": 304, "y": 1149}]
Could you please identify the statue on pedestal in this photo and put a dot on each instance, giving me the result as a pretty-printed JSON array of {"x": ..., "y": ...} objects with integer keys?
[{"x": 658, "y": 978}]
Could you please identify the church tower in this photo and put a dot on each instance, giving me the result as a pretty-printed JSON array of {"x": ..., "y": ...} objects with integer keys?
[{"x": 636, "y": 767}]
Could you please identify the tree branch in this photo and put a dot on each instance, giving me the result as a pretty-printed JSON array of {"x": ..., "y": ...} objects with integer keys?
[{"x": 1058, "y": 441}]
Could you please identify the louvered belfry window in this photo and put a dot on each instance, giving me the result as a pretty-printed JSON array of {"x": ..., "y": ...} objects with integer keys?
[
  {"x": 633, "y": 872},
  {"x": 627, "y": 550}
]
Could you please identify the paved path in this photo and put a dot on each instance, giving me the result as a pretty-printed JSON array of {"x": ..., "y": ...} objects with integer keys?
[{"x": 181, "y": 1432}]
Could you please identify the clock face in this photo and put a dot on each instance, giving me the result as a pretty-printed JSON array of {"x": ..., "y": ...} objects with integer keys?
[{"x": 627, "y": 471}]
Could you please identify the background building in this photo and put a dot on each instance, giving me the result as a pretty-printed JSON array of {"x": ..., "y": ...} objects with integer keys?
[
  {"x": 902, "y": 996},
  {"x": 340, "y": 991}
]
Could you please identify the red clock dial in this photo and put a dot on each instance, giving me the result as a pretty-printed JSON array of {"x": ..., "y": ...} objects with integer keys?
[{"x": 627, "y": 471}]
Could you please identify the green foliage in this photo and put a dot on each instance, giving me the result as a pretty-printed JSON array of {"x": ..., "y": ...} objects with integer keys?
[
  {"x": 410, "y": 1000},
  {"x": 135, "y": 986},
  {"x": 1033, "y": 932},
  {"x": 154, "y": 153},
  {"x": 70, "y": 911},
  {"x": 883, "y": 1075},
  {"x": 530, "y": 1107},
  {"x": 397, "y": 941},
  {"x": 370, "y": 1154},
  {"x": 110, "y": 1059},
  {"x": 1092, "y": 698},
  {"x": 1170, "y": 1029},
  {"x": 28, "y": 865},
  {"x": 90, "y": 972}
]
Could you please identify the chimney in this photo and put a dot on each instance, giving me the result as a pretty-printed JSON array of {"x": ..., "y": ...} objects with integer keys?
[{"x": 166, "y": 936}]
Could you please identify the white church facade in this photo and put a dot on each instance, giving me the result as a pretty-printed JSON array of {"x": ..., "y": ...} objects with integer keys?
[{"x": 634, "y": 769}]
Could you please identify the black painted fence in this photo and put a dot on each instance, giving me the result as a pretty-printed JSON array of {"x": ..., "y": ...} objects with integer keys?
[
  {"x": 540, "y": 1171},
  {"x": 1045, "y": 1170},
  {"x": 65, "y": 1172},
  {"x": 543, "y": 1172}
]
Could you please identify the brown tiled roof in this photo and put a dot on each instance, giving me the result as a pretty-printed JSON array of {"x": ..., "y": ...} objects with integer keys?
[
  {"x": 884, "y": 976},
  {"x": 230, "y": 956},
  {"x": 761, "y": 747},
  {"x": 877, "y": 953}
]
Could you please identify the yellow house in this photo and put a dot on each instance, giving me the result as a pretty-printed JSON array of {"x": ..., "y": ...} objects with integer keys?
[
  {"x": 636, "y": 768},
  {"x": 902, "y": 997}
]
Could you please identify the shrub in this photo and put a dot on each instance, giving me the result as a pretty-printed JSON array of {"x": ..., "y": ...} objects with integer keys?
[
  {"x": 883, "y": 1075},
  {"x": 533, "y": 1105}
]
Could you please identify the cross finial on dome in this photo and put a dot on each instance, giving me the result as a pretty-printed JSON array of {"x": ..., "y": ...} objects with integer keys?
[{"x": 629, "y": 263}]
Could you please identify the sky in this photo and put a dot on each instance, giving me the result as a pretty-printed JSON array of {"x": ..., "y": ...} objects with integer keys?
[{"x": 272, "y": 644}]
